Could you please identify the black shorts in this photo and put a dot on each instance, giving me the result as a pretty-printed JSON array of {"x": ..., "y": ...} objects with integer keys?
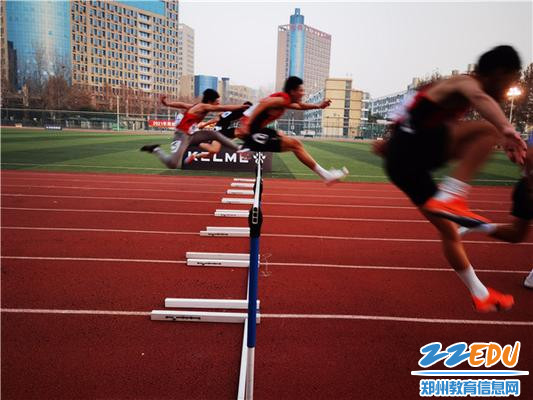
[
  {"x": 522, "y": 200},
  {"x": 412, "y": 156},
  {"x": 264, "y": 139},
  {"x": 229, "y": 133}
]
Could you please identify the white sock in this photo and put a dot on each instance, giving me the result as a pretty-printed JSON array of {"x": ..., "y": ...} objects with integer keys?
[
  {"x": 451, "y": 187},
  {"x": 483, "y": 228},
  {"x": 324, "y": 174},
  {"x": 472, "y": 282}
]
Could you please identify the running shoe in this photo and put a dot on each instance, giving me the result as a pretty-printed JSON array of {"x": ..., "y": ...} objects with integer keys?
[
  {"x": 150, "y": 148},
  {"x": 456, "y": 210},
  {"x": 335, "y": 175},
  {"x": 190, "y": 159},
  {"x": 495, "y": 301}
]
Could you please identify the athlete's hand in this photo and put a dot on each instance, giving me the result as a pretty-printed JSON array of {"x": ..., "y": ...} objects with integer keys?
[
  {"x": 164, "y": 100},
  {"x": 379, "y": 147},
  {"x": 325, "y": 103},
  {"x": 514, "y": 146}
]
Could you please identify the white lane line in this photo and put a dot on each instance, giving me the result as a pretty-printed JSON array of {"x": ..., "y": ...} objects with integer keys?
[
  {"x": 277, "y": 264},
  {"x": 187, "y": 182},
  {"x": 270, "y": 193},
  {"x": 272, "y": 172},
  {"x": 284, "y": 316},
  {"x": 210, "y": 215},
  {"x": 286, "y": 204},
  {"x": 34, "y": 228}
]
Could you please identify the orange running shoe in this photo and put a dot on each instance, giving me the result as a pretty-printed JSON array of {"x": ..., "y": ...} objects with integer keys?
[
  {"x": 495, "y": 301},
  {"x": 456, "y": 210}
]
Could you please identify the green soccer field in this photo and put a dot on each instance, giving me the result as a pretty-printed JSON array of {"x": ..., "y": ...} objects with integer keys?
[{"x": 28, "y": 149}]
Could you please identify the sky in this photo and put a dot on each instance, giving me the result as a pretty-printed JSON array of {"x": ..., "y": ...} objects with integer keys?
[{"x": 380, "y": 45}]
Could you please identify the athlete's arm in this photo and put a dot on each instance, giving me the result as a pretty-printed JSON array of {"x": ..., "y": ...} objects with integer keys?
[
  {"x": 309, "y": 106},
  {"x": 212, "y": 121},
  {"x": 223, "y": 107},
  {"x": 176, "y": 104},
  {"x": 513, "y": 144}
]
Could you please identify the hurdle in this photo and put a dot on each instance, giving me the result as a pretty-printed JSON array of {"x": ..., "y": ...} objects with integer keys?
[
  {"x": 242, "y": 185},
  {"x": 239, "y": 260},
  {"x": 232, "y": 213},
  {"x": 188, "y": 309},
  {"x": 239, "y": 191},
  {"x": 237, "y": 200}
]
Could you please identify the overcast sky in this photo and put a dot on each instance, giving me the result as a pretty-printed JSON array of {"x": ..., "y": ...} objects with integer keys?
[{"x": 381, "y": 45}]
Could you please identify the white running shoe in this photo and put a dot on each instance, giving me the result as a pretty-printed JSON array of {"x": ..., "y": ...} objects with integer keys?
[
  {"x": 528, "y": 282},
  {"x": 335, "y": 175},
  {"x": 463, "y": 230}
]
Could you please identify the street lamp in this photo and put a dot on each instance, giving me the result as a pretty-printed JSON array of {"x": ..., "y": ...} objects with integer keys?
[
  {"x": 118, "y": 122},
  {"x": 512, "y": 93}
]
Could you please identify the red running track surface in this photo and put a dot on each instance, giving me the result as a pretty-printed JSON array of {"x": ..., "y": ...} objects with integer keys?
[{"x": 352, "y": 284}]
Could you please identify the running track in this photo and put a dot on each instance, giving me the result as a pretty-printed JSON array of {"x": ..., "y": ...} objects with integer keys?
[{"x": 352, "y": 284}]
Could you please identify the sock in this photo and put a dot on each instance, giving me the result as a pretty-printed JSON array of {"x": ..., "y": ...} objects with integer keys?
[
  {"x": 472, "y": 282},
  {"x": 324, "y": 174},
  {"x": 483, "y": 228},
  {"x": 452, "y": 187}
]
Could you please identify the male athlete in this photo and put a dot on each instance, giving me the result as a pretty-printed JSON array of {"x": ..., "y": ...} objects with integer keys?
[
  {"x": 257, "y": 137},
  {"x": 522, "y": 211},
  {"x": 187, "y": 133},
  {"x": 225, "y": 123},
  {"x": 430, "y": 134}
]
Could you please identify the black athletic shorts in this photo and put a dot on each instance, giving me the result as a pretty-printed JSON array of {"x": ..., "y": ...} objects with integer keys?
[
  {"x": 411, "y": 156},
  {"x": 522, "y": 200},
  {"x": 264, "y": 139},
  {"x": 229, "y": 133}
]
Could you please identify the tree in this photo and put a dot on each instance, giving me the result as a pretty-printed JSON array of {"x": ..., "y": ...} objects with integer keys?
[{"x": 523, "y": 104}]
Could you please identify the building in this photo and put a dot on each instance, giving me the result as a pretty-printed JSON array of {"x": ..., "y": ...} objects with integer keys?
[
  {"x": 114, "y": 48},
  {"x": 223, "y": 89},
  {"x": 185, "y": 50},
  {"x": 38, "y": 38},
  {"x": 238, "y": 94},
  {"x": 4, "y": 57},
  {"x": 349, "y": 108},
  {"x": 186, "y": 88},
  {"x": 203, "y": 82},
  {"x": 303, "y": 51},
  {"x": 383, "y": 107}
]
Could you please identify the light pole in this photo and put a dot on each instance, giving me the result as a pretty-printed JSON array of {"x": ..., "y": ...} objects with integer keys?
[
  {"x": 512, "y": 93},
  {"x": 118, "y": 122}
]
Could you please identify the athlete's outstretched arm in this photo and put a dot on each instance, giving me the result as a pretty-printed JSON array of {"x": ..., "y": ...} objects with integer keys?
[
  {"x": 309, "y": 106},
  {"x": 263, "y": 105},
  {"x": 212, "y": 121},
  {"x": 514, "y": 146},
  {"x": 223, "y": 107},
  {"x": 176, "y": 104}
]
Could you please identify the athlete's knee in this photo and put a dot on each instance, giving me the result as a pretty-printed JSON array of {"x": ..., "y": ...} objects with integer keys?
[{"x": 292, "y": 143}]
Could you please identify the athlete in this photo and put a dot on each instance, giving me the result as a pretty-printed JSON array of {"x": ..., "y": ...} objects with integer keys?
[
  {"x": 522, "y": 212},
  {"x": 187, "y": 133},
  {"x": 257, "y": 137},
  {"x": 225, "y": 123},
  {"x": 429, "y": 133}
]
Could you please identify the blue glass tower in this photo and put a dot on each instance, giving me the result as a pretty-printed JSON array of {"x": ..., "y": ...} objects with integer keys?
[
  {"x": 202, "y": 82},
  {"x": 296, "y": 44},
  {"x": 39, "y": 33}
]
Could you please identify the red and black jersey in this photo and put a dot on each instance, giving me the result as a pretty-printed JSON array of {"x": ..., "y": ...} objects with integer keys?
[{"x": 269, "y": 115}]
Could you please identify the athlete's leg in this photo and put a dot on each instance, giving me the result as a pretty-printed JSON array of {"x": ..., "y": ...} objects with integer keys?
[
  {"x": 296, "y": 146},
  {"x": 210, "y": 148},
  {"x": 471, "y": 142},
  {"x": 485, "y": 299},
  {"x": 514, "y": 232},
  {"x": 173, "y": 160}
]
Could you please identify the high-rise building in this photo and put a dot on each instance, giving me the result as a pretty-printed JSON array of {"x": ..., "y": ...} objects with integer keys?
[
  {"x": 38, "y": 36},
  {"x": 4, "y": 57},
  {"x": 303, "y": 51},
  {"x": 203, "y": 82},
  {"x": 185, "y": 50},
  {"x": 349, "y": 108},
  {"x": 238, "y": 94},
  {"x": 223, "y": 89},
  {"x": 186, "y": 87},
  {"x": 107, "y": 46}
]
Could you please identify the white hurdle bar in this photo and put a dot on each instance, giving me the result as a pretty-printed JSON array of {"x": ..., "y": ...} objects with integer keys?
[
  {"x": 226, "y": 231},
  {"x": 239, "y": 260},
  {"x": 242, "y": 185},
  {"x": 244, "y": 180},
  {"x": 237, "y": 200},
  {"x": 199, "y": 316},
  {"x": 232, "y": 213},
  {"x": 239, "y": 191},
  {"x": 225, "y": 304},
  {"x": 218, "y": 256}
]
